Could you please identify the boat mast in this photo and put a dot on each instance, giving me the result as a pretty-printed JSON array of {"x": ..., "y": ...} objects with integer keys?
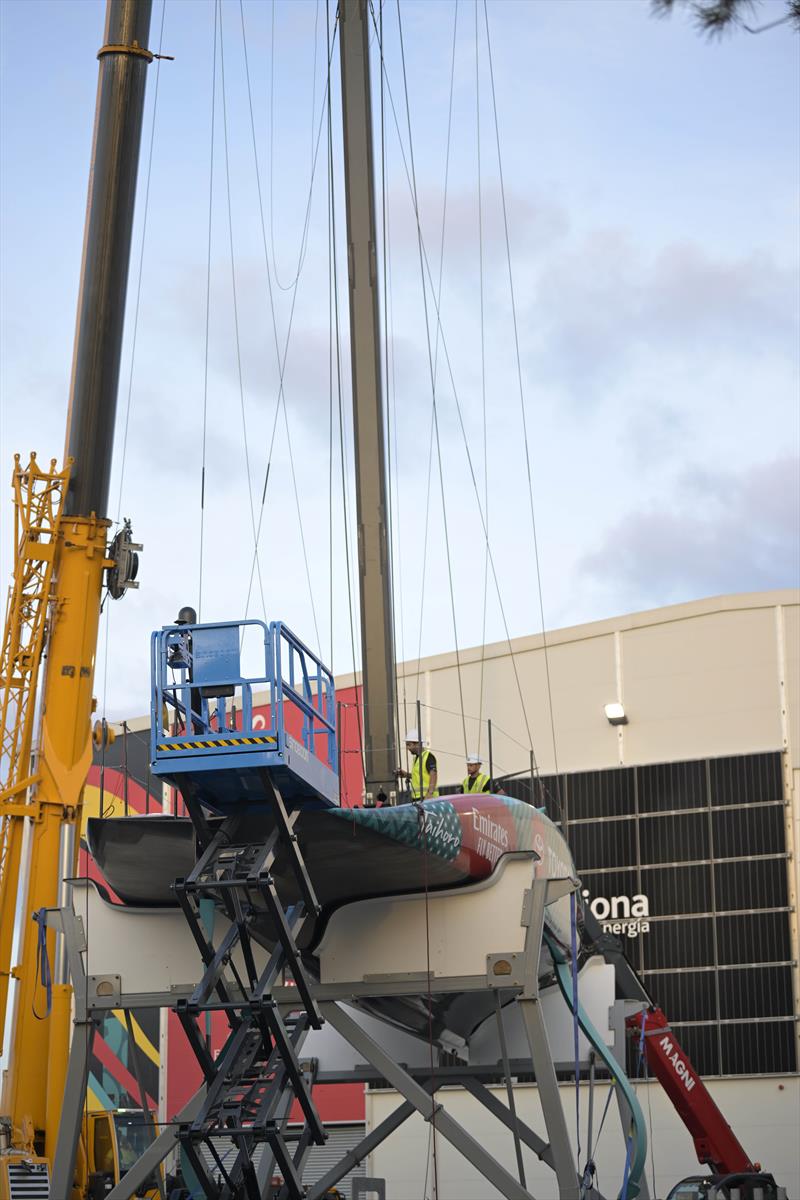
[{"x": 375, "y": 583}]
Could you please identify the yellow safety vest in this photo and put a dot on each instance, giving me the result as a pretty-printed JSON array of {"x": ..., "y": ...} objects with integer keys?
[
  {"x": 420, "y": 791},
  {"x": 476, "y": 783}
]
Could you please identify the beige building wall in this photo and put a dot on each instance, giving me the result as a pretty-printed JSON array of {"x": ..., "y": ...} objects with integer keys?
[
  {"x": 712, "y": 677},
  {"x": 764, "y": 1113}
]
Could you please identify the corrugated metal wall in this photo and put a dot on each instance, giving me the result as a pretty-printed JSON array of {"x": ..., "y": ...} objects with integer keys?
[{"x": 321, "y": 1159}]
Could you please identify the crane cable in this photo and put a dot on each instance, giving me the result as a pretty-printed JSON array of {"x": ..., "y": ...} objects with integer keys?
[
  {"x": 465, "y": 439},
  {"x": 483, "y": 373},
  {"x": 240, "y": 376},
  {"x": 521, "y": 394},
  {"x": 208, "y": 320},
  {"x": 436, "y": 346},
  {"x": 435, "y": 351},
  {"x": 281, "y": 355},
  {"x": 331, "y": 351},
  {"x": 431, "y": 368},
  {"x": 287, "y": 287},
  {"x": 467, "y": 450}
]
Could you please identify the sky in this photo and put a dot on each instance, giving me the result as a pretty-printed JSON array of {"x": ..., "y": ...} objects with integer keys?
[{"x": 645, "y": 377}]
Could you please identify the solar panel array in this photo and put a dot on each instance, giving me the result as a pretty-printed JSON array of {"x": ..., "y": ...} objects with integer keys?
[{"x": 705, "y": 843}]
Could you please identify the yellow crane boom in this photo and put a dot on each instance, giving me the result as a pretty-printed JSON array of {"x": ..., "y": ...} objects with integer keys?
[{"x": 54, "y": 612}]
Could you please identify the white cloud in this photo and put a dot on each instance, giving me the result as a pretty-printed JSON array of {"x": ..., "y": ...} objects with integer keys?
[{"x": 720, "y": 531}]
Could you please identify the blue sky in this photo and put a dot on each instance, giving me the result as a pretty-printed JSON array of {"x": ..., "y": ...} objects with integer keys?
[{"x": 651, "y": 182}]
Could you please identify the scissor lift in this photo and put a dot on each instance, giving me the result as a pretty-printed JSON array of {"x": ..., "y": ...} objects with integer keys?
[{"x": 223, "y": 756}]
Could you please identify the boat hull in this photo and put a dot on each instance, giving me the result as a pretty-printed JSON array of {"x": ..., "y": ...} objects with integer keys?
[{"x": 350, "y": 854}]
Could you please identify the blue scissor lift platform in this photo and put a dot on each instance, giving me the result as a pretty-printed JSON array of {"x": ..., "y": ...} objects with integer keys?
[
  {"x": 208, "y": 740},
  {"x": 214, "y": 745}
]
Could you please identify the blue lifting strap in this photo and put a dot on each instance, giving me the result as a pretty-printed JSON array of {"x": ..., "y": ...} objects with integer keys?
[
  {"x": 626, "y": 1177},
  {"x": 576, "y": 1035},
  {"x": 43, "y": 963},
  {"x": 637, "y": 1141}
]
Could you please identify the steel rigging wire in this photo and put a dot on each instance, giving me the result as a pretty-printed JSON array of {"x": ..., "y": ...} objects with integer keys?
[
  {"x": 240, "y": 376},
  {"x": 208, "y": 318},
  {"x": 470, "y": 462},
  {"x": 521, "y": 390},
  {"x": 391, "y": 417},
  {"x": 429, "y": 275},
  {"x": 436, "y": 343},
  {"x": 432, "y": 375},
  {"x": 483, "y": 370},
  {"x": 286, "y": 287},
  {"x": 281, "y": 355},
  {"x": 436, "y": 349},
  {"x": 394, "y": 550}
]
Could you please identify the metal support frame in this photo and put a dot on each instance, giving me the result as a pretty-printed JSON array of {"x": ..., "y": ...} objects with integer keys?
[
  {"x": 364, "y": 1188},
  {"x": 417, "y": 1085},
  {"x": 424, "y": 1103},
  {"x": 250, "y": 1084}
]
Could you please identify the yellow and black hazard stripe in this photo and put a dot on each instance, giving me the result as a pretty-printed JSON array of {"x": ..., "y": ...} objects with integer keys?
[{"x": 210, "y": 745}]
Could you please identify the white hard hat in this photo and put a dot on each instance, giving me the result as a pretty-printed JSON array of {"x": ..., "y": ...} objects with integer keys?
[
  {"x": 412, "y": 736},
  {"x": 474, "y": 760}
]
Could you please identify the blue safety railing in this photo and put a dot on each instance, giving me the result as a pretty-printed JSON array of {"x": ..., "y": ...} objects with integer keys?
[{"x": 203, "y": 704}]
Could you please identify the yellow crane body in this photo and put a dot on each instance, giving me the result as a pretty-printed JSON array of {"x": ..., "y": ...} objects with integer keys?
[
  {"x": 38, "y": 502},
  {"x": 34, "y": 1082},
  {"x": 52, "y": 622}
]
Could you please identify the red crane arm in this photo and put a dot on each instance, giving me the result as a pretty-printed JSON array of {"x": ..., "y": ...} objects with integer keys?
[{"x": 714, "y": 1140}]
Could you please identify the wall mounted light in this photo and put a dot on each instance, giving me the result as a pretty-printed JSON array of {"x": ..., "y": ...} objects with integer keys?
[{"x": 615, "y": 714}]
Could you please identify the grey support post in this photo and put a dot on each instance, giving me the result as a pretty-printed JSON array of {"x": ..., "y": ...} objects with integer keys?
[
  {"x": 69, "y": 1129},
  {"x": 365, "y": 1188},
  {"x": 536, "y": 1032},
  {"x": 449, "y": 1128},
  {"x": 73, "y": 943}
]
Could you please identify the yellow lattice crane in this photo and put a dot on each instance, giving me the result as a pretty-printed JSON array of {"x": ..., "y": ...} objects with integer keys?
[
  {"x": 62, "y": 552},
  {"x": 38, "y": 503}
]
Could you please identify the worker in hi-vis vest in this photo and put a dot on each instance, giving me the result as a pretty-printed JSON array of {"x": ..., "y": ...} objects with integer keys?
[
  {"x": 424, "y": 774},
  {"x": 475, "y": 780}
]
